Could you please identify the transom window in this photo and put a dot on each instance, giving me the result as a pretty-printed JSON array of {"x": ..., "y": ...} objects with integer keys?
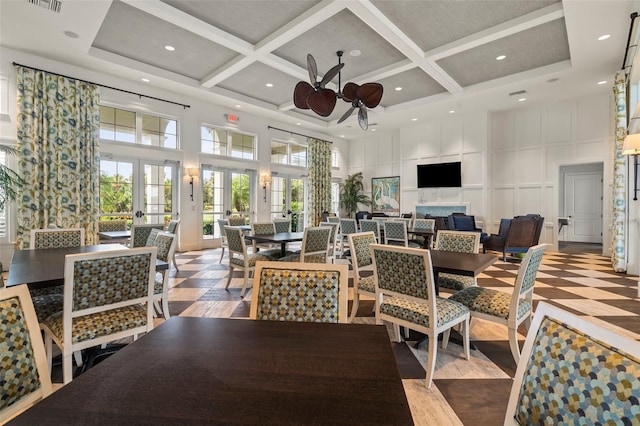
[
  {"x": 226, "y": 142},
  {"x": 288, "y": 153},
  {"x": 120, "y": 125},
  {"x": 334, "y": 159}
]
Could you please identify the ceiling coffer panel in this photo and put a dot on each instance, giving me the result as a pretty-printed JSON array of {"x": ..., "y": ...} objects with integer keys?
[
  {"x": 343, "y": 31},
  {"x": 432, "y": 24},
  {"x": 134, "y": 34},
  {"x": 415, "y": 84},
  {"x": 534, "y": 48},
  {"x": 250, "y": 21},
  {"x": 252, "y": 81}
]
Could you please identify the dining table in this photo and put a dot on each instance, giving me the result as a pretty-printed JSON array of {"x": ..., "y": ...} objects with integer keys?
[
  {"x": 40, "y": 268},
  {"x": 281, "y": 238},
  {"x": 230, "y": 371},
  {"x": 115, "y": 235}
]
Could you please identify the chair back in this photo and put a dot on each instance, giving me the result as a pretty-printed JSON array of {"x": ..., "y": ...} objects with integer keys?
[
  {"x": 424, "y": 224},
  {"x": 151, "y": 239},
  {"x": 360, "y": 253},
  {"x": 56, "y": 238},
  {"x": 221, "y": 224},
  {"x": 263, "y": 228},
  {"x": 112, "y": 225},
  {"x": 165, "y": 242},
  {"x": 282, "y": 291},
  {"x": 462, "y": 222},
  {"x": 458, "y": 241},
  {"x": 140, "y": 233},
  {"x": 522, "y": 298},
  {"x": 370, "y": 225},
  {"x": 395, "y": 233},
  {"x": 25, "y": 375},
  {"x": 333, "y": 219},
  {"x": 348, "y": 226},
  {"x": 522, "y": 233},
  {"x": 282, "y": 225},
  {"x": 407, "y": 220},
  {"x": 237, "y": 220},
  {"x": 235, "y": 241},
  {"x": 332, "y": 237},
  {"x": 315, "y": 244},
  {"x": 173, "y": 226},
  {"x": 573, "y": 371}
]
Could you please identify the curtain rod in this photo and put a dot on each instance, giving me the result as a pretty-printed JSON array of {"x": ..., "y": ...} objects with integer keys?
[
  {"x": 633, "y": 17},
  {"x": 295, "y": 133},
  {"x": 105, "y": 86}
]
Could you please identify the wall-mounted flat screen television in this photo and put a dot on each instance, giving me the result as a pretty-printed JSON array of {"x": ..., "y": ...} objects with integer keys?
[{"x": 440, "y": 175}]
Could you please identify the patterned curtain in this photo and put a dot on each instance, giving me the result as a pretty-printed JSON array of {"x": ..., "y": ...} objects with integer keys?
[
  {"x": 619, "y": 220},
  {"x": 319, "y": 179},
  {"x": 58, "y": 140}
]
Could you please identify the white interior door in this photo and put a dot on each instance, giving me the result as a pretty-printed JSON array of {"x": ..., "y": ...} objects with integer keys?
[{"x": 583, "y": 204}]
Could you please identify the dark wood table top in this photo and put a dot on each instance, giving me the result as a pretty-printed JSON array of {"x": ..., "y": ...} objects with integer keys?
[
  {"x": 45, "y": 267},
  {"x": 470, "y": 264},
  {"x": 280, "y": 237},
  {"x": 114, "y": 235},
  {"x": 230, "y": 371}
]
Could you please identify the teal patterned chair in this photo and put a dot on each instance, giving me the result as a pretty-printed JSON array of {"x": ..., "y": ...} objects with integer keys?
[
  {"x": 510, "y": 309},
  {"x": 172, "y": 228},
  {"x": 56, "y": 238},
  {"x": 461, "y": 242},
  {"x": 347, "y": 226},
  {"x": 282, "y": 225},
  {"x": 151, "y": 239},
  {"x": 112, "y": 225},
  {"x": 370, "y": 225},
  {"x": 361, "y": 261},
  {"x": 237, "y": 220},
  {"x": 140, "y": 233},
  {"x": 239, "y": 258},
  {"x": 315, "y": 246},
  {"x": 107, "y": 297},
  {"x": 223, "y": 236},
  {"x": 264, "y": 228},
  {"x": 332, "y": 239},
  {"x": 406, "y": 297},
  {"x": 165, "y": 243},
  {"x": 302, "y": 292},
  {"x": 426, "y": 225},
  {"x": 395, "y": 234},
  {"x": 574, "y": 372},
  {"x": 24, "y": 376}
]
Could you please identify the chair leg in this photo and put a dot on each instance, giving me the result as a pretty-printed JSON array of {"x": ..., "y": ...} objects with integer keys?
[
  {"x": 157, "y": 311},
  {"x": 431, "y": 360},
  {"x": 165, "y": 308},
  {"x": 229, "y": 277},
  {"x": 465, "y": 338},
  {"x": 513, "y": 343},
  {"x": 48, "y": 348},
  {"x": 222, "y": 255},
  {"x": 246, "y": 282},
  {"x": 376, "y": 306},
  {"x": 445, "y": 338},
  {"x": 396, "y": 333},
  {"x": 77, "y": 355},
  {"x": 174, "y": 263},
  {"x": 354, "y": 307},
  {"x": 67, "y": 368}
]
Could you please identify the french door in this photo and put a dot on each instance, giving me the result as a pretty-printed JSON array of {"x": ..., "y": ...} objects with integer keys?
[
  {"x": 288, "y": 199},
  {"x": 225, "y": 192},
  {"x": 138, "y": 190}
]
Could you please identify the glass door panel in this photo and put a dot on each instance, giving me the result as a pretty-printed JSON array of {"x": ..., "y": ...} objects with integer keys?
[
  {"x": 240, "y": 193},
  {"x": 297, "y": 205},
  {"x": 158, "y": 193},
  {"x": 288, "y": 200},
  {"x": 116, "y": 190},
  {"x": 213, "y": 206}
]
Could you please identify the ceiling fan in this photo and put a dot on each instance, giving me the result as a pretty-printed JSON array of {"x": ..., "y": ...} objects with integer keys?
[{"x": 322, "y": 101}]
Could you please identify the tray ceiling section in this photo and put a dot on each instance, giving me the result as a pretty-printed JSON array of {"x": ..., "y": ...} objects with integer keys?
[
  {"x": 415, "y": 84},
  {"x": 343, "y": 31},
  {"x": 432, "y": 24},
  {"x": 129, "y": 32},
  {"x": 252, "y": 82},
  {"x": 527, "y": 50},
  {"x": 251, "y": 21}
]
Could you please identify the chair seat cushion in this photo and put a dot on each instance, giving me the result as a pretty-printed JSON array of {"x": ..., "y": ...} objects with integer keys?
[
  {"x": 250, "y": 259},
  {"x": 157, "y": 287},
  {"x": 418, "y": 313},
  {"x": 490, "y": 302},
  {"x": 314, "y": 258},
  {"x": 92, "y": 326},
  {"x": 367, "y": 284},
  {"x": 413, "y": 244},
  {"x": 455, "y": 282},
  {"x": 46, "y": 305},
  {"x": 59, "y": 289}
]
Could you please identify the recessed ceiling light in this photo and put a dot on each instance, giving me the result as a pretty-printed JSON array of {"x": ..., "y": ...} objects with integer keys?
[
  {"x": 355, "y": 52},
  {"x": 269, "y": 84},
  {"x": 71, "y": 34},
  {"x": 297, "y": 124},
  {"x": 398, "y": 88},
  {"x": 342, "y": 136},
  {"x": 553, "y": 80},
  {"x": 414, "y": 119},
  {"x": 602, "y": 82},
  {"x": 522, "y": 99},
  {"x": 146, "y": 80},
  {"x": 170, "y": 48},
  {"x": 373, "y": 130},
  {"x": 501, "y": 57},
  {"x": 238, "y": 106},
  {"x": 604, "y": 37},
  {"x": 451, "y": 111}
]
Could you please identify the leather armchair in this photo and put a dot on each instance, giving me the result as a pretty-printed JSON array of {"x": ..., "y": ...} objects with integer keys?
[
  {"x": 463, "y": 222},
  {"x": 514, "y": 236}
]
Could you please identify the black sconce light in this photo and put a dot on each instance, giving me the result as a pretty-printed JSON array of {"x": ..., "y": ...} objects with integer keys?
[
  {"x": 192, "y": 172},
  {"x": 265, "y": 180}
]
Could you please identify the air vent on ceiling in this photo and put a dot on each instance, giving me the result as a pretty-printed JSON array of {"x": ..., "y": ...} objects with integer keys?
[
  {"x": 53, "y": 5},
  {"x": 519, "y": 92}
]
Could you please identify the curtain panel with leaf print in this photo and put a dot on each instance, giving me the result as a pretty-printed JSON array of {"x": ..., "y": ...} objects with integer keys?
[
  {"x": 58, "y": 140},
  {"x": 319, "y": 179},
  {"x": 619, "y": 220}
]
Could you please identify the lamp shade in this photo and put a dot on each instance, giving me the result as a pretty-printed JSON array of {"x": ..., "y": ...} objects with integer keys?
[
  {"x": 192, "y": 171},
  {"x": 631, "y": 144}
]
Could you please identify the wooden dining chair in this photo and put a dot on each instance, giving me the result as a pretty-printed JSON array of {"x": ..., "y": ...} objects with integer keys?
[
  {"x": 361, "y": 262},
  {"x": 239, "y": 258},
  {"x": 395, "y": 233},
  {"x": 460, "y": 242},
  {"x": 223, "y": 236},
  {"x": 315, "y": 246},
  {"x": 165, "y": 243},
  {"x": 370, "y": 225},
  {"x": 56, "y": 238},
  {"x": 332, "y": 239},
  {"x": 282, "y": 225},
  {"x": 173, "y": 227},
  {"x": 264, "y": 228},
  {"x": 140, "y": 233}
]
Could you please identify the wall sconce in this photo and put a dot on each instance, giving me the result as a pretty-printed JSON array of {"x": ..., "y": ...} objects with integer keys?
[
  {"x": 265, "y": 180},
  {"x": 192, "y": 172}
]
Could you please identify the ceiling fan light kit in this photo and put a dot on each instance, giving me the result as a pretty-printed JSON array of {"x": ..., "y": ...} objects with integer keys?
[{"x": 322, "y": 101}]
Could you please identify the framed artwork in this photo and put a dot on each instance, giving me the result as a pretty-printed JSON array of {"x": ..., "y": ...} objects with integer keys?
[{"x": 385, "y": 195}]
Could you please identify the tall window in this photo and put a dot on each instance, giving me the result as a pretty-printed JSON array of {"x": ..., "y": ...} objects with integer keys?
[
  {"x": 226, "y": 142},
  {"x": 335, "y": 197},
  {"x": 334, "y": 159},
  {"x": 3, "y": 213},
  {"x": 119, "y": 125},
  {"x": 288, "y": 153}
]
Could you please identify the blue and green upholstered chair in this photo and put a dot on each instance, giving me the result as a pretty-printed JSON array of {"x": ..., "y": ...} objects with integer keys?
[
  {"x": 223, "y": 236},
  {"x": 426, "y": 225},
  {"x": 573, "y": 371},
  {"x": 165, "y": 243},
  {"x": 25, "y": 376},
  {"x": 395, "y": 234},
  {"x": 172, "y": 228},
  {"x": 140, "y": 233},
  {"x": 332, "y": 239},
  {"x": 315, "y": 246},
  {"x": 112, "y": 225},
  {"x": 239, "y": 258},
  {"x": 347, "y": 226},
  {"x": 370, "y": 225},
  {"x": 282, "y": 291},
  {"x": 361, "y": 261},
  {"x": 406, "y": 297},
  {"x": 237, "y": 220},
  {"x": 282, "y": 225},
  {"x": 264, "y": 228},
  {"x": 510, "y": 309},
  {"x": 461, "y": 242},
  {"x": 107, "y": 297}
]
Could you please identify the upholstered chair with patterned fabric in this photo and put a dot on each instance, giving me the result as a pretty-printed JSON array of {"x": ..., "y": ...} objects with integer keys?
[
  {"x": 333, "y": 219},
  {"x": 315, "y": 246},
  {"x": 282, "y": 225},
  {"x": 239, "y": 258},
  {"x": 112, "y": 225},
  {"x": 406, "y": 297},
  {"x": 282, "y": 291},
  {"x": 172, "y": 228},
  {"x": 332, "y": 239},
  {"x": 107, "y": 297},
  {"x": 223, "y": 236},
  {"x": 264, "y": 228},
  {"x": 461, "y": 242},
  {"x": 151, "y": 239},
  {"x": 395, "y": 234},
  {"x": 56, "y": 238},
  {"x": 347, "y": 226},
  {"x": 24, "y": 376},
  {"x": 370, "y": 225},
  {"x": 237, "y": 220},
  {"x": 140, "y": 233},
  {"x": 505, "y": 308},
  {"x": 423, "y": 225},
  {"x": 407, "y": 221},
  {"x": 361, "y": 261},
  {"x": 165, "y": 242},
  {"x": 575, "y": 372}
]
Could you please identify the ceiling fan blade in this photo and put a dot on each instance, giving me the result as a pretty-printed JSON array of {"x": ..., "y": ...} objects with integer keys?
[
  {"x": 370, "y": 94},
  {"x": 350, "y": 92},
  {"x": 363, "y": 120},
  {"x": 301, "y": 93},
  {"x": 346, "y": 114},
  {"x": 312, "y": 68},
  {"x": 331, "y": 74},
  {"x": 322, "y": 101}
]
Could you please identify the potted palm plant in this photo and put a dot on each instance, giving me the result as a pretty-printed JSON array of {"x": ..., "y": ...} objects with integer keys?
[
  {"x": 352, "y": 194},
  {"x": 10, "y": 181}
]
